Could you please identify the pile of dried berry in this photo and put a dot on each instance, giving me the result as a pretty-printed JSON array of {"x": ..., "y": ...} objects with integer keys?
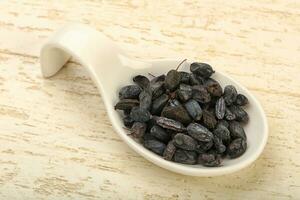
[{"x": 186, "y": 117}]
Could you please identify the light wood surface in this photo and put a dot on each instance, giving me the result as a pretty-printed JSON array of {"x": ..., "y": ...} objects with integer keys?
[{"x": 56, "y": 139}]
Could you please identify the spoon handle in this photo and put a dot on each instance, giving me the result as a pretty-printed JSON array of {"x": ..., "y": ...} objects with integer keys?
[
  {"x": 104, "y": 60},
  {"x": 88, "y": 46}
]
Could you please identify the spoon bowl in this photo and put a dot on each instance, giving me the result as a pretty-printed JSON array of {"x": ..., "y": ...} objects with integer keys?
[{"x": 110, "y": 69}]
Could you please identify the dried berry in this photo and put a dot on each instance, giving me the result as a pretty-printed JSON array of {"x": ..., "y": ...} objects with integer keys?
[
  {"x": 162, "y": 114},
  {"x": 159, "y": 103},
  {"x": 169, "y": 151},
  {"x": 200, "y": 94},
  {"x": 209, "y": 119},
  {"x": 199, "y": 132},
  {"x": 177, "y": 113},
  {"x": 203, "y": 147},
  {"x": 229, "y": 115},
  {"x": 213, "y": 87},
  {"x": 126, "y": 104},
  {"x": 140, "y": 114},
  {"x": 240, "y": 113},
  {"x": 160, "y": 134},
  {"x": 184, "y": 92},
  {"x": 127, "y": 112},
  {"x": 219, "y": 146},
  {"x": 223, "y": 123},
  {"x": 230, "y": 94},
  {"x": 195, "y": 80},
  {"x": 141, "y": 81},
  {"x": 138, "y": 129},
  {"x": 194, "y": 109},
  {"x": 209, "y": 159},
  {"x": 185, "y": 157},
  {"x": 160, "y": 78},
  {"x": 157, "y": 89},
  {"x": 155, "y": 146},
  {"x": 241, "y": 100},
  {"x": 236, "y": 148},
  {"x": 220, "y": 108},
  {"x": 172, "y": 80},
  {"x": 151, "y": 123},
  {"x": 170, "y": 124},
  {"x": 184, "y": 77},
  {"x": 128, "y": 122},
  {"x": 145, "y": 98},
  {"x": 171, "y": 132},
  {"x": 173, "y": 103},
  {"x": 185, "y": 142},
  {"x": 236, "y": 130},
  {"x": 202, "y": 69},
  {"x": 148, "y": 136},
  {"x": 130, "y": 92},
  {"x": 223, "y": 133}
]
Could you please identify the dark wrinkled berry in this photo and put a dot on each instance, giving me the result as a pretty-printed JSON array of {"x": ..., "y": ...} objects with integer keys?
[
  {"x": 160, "y": 78},
  {"x": 158, "y": 104},
  {"x": 195, "y": 80},
  {"x": 173, "y": 103},
  {"x": 169, "y": 151},
  {"x": 199, "y": 132},
  {"x": 155, "y": 146},
  {"x": 185, "y": 117},
  {"x": 141, "y": 81},
  {"x": 138, "y": 129},
  {"x": 157, "y": 89},
  {"x": 130, "y": 92},
  {"x": 213, "y": 87},
  {"x": 200, "y": 94},
  {"x": 241, "y": 100},
  {"x": 185, "y": 157},
  {"x": 230, "y": 94},
  {"x": 219, "y": 146},
  {"x": 202, "y": 69},
  {"x": 194, "y": 109},
  {"x": 140, "y": 114},
  {"x": 148, "y": 136},
  {"x": 171, "y": 132},
  {"x": 240, "y": 113},
  {"x": 209, "y": 159},
  {"x": 185, "y": 142},
  {"x": 209, "y": 119},
  {"x": 170, "y": 124},
  {"x": 237, "y": 147},
  {"x": 127, "y": 112},
  {"x": 229, "y": 115},
  {"x": 126, "y": 104},
  {"x": 222, "y": 132},
  {"x": 151, "y": 123},
  {"x": 128, "y": 122},
  {"x": 210, "y": 105},
  {"x": 236, "y": 130},
  {"x": 184, "y": 92},
  {"x": 203, "y": 147},
  {"x": 184, "y": 77},
  {"x": 220, "y": 108},
  {"x": 223, "y": 123},
  {"x": 172, "y": 80},
  {"x": 160, "y": 134},
  {"x": 177, "y": 113},
  {"x": 145, "y": 98}
]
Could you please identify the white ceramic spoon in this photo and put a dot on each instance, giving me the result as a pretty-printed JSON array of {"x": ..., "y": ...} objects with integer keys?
[{"x": 110, "y": 69}]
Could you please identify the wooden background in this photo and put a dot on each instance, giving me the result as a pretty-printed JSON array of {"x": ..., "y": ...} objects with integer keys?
[{"x": 56, "y": 141}]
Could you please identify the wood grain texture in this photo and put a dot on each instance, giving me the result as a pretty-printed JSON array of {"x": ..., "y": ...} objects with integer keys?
[{"x": 56, "y": 139}]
